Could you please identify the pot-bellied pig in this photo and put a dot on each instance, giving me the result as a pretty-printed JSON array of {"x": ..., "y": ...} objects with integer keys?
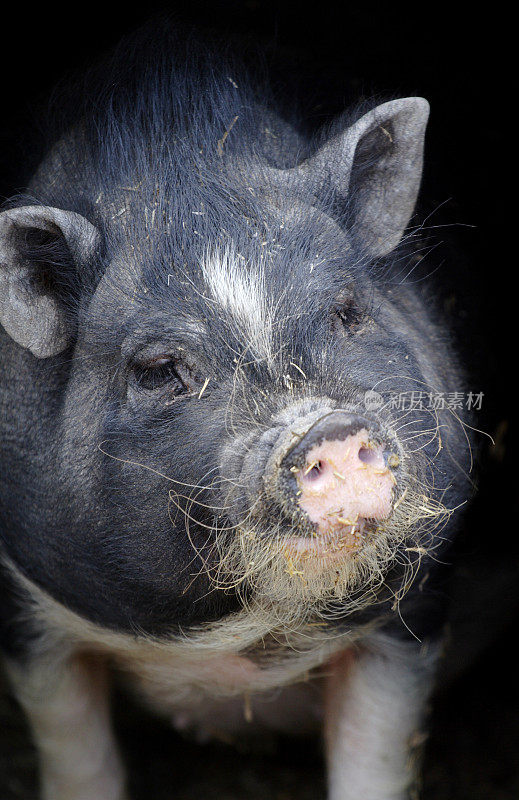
[{"x": 210, "y": 482}]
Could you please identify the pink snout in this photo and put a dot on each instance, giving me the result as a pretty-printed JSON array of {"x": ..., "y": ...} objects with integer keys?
[{"x": 344, "y": 482}]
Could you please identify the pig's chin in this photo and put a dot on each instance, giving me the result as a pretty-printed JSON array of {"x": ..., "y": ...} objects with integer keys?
[
  {"x": 293, "y": 572},
  {"x": 293, "y": 575},
  {"x": 296, "y": 575},
  {"x": 344, "y": 540}
]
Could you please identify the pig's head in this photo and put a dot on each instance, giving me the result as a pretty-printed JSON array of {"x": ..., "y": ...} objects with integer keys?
[{"x": 205, "y": 334}]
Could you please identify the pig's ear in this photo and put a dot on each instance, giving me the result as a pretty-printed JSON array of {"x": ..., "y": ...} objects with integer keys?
[
  {"x": 32, "y": 238},
  {"x": 376, "y": 164}
]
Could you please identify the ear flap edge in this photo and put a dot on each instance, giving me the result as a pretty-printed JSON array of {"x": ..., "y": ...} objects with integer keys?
[{"x": 31, "y": 314}]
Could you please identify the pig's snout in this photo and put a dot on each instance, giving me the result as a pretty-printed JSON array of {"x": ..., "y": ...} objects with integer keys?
[{"x": 337, "y": 474}]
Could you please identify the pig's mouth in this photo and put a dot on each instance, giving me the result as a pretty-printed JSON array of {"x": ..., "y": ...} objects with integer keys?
[
  {"x": 344, "y": 539},
  {"x": 333, "y": 510}
]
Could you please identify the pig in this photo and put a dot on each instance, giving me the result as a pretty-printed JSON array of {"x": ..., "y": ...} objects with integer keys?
[{"x": 208, "y": 491}]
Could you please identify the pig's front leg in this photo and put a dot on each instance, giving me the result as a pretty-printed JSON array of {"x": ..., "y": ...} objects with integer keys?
[
  {"x": 66, "y": 703},
  {"x": 375, "y": 706}
]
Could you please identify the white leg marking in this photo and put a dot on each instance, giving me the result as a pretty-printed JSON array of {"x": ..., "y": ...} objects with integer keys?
[
  {"x": 374, "y": 708},
  {"x": 66, "y": 703}
]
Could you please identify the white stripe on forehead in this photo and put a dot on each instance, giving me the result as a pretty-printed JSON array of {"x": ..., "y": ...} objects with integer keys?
[{"x": 240, "y": 290}]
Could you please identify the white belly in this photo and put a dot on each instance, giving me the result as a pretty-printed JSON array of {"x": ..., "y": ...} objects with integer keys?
[
  {"x": 225, "y": 695},
  {"x": 218, "y": 696}
]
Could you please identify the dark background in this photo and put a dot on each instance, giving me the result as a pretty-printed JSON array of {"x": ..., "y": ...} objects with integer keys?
[{"x": 339, "y": 53}]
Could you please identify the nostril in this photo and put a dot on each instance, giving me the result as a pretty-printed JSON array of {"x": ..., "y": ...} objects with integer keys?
[
  {"x": 368, "y": 456},
  {"x": 314, "y": 470}
]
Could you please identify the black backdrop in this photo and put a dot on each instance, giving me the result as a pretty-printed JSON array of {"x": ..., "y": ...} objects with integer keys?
[{"x": 452, "y": 56}]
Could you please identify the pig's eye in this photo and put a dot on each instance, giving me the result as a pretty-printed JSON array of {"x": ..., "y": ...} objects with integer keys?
[{"x": 154, "y": 373}]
